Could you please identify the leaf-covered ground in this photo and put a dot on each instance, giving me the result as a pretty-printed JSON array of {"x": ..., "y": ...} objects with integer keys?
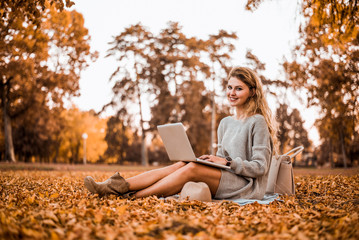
[{"x": 55, "y": 205}]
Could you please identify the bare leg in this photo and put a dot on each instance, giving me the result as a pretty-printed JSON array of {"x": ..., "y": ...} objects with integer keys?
[
  {"x": 173, "y": 183},
  {"x": 146, "y": 179}
]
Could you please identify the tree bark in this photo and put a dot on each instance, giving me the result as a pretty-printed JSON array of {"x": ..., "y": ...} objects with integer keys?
[
  {"x": 331, "y": 155},
  {"x": 144, "y": 155},
  {"x": 9, "y": 146},
  {"x": 213, "y": 125},
  {"x": 54, "y": 159},
  {"x": 343, "y": 148},
  {"x": 77, "y": 152}
]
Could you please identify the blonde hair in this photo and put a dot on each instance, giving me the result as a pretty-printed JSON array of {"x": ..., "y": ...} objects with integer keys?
[{"x": 257, "y": 103}]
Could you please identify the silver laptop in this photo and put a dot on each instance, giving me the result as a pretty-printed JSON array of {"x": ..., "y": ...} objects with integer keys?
[{"x": 178, "y": 147}]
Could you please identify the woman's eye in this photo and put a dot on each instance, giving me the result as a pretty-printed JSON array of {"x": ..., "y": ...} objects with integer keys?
[
  {"x": 238, "y": 89},
  {"x": 229, "y": 87}
]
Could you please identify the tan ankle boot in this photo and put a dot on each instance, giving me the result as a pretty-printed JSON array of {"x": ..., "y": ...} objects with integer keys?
[{"x": 114, "y": 185}]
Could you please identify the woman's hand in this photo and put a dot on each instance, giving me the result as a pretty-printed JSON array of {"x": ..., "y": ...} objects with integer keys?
[{"x": 215, "y": 159}]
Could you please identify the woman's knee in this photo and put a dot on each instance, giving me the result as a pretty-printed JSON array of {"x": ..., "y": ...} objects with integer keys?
[
  {"x": 181, "y": 164},
  {"x": 199, "y": 172},
  {"x": 178, "y": 165},
  {"x": 193, "y": 165},
  {"x": 191, "y": 170}
]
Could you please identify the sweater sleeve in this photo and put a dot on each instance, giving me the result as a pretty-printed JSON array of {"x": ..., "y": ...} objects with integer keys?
[
  {"x": 261, "y": 152},
  {"x": 220, "y": 138}
]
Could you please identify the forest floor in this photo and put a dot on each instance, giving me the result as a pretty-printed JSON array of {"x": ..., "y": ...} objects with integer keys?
[{"x": 49, "y": 201}]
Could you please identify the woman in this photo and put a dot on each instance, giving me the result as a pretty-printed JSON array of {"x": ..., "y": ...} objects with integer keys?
[{"x": 245, "y": 143}]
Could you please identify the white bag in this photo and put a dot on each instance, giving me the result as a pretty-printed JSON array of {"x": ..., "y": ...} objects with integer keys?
[{"x": 280, "y": 176}]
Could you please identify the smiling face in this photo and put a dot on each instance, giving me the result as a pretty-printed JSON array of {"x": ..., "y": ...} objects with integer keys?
[{"x": 237, "y": 92}]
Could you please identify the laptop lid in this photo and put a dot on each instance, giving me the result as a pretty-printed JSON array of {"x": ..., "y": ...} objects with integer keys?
[{"x": 176, "y": 142}]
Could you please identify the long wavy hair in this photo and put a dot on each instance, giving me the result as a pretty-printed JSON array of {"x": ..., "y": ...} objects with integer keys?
[{"x": 257, "y": 103}]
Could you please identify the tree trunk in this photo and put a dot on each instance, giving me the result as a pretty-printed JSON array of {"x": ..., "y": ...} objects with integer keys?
[
  {"x": 144, "y": 155},
  {"x": 343, "y": 147},
  {"x": 331, "y": 155},
  {"x": 213, "y": 125},
  {"x": 122, "y": 155},
  {"x": 72, "y": 150},
  {"x": 54, "y": 159},
  {"x": 77, "y": 152},
  {"x": 57, "y": 149},
  {"x": 9, "y": 146}
]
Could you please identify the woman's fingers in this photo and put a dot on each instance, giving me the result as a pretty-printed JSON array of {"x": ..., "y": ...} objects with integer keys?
[
  {"x": 210, "y": 158},
  {"x": 215, "y": 159}
]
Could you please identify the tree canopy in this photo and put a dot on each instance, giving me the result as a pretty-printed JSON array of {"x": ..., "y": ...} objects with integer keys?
[
  {"x": 326, "y": 66},
  {"x": 169, "y": 72},
  {"x": 43, "y": 50}
]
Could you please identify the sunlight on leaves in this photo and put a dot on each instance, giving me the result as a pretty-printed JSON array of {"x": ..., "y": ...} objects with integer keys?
[{"x": 55, "y": 205}]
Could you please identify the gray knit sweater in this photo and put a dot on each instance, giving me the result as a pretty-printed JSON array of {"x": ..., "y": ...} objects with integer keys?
[{"x": 249, "y": 144}]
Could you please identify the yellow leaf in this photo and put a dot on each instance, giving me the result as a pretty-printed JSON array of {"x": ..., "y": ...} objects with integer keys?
[
  {"x": 122, "y": 209},
  {"x": 54, "y": 236},
  {"x": 2, "y": 218},
  {"x": 55, "y": 195},
  {"x": 30, "y": 200},
  {"x": 98, "y": 217},
  {"x": 354, "y": 216},
  {"x": 31, "y": 233},
  {"x": 51, "y": 215},
  {"x": 33, "y": 220},
  {"x": 49, "y": 222}
]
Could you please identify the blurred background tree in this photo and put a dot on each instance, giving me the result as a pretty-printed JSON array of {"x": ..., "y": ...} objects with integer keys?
[
  {"x": 329, "y": 71},
  {"x": 133, "y": 48},
  {"x": 13, "y": 40},
  {"x": 70, "y": 141},
  {"x": 118, "y": 138},
  {"x": 164, "y": 78},
  {"x": 43, "y": 50},
  {"x": 166, "y": 71},
  {"x": 327, "y": 68}
]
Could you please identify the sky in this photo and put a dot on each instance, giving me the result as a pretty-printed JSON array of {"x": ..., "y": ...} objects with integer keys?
[{"x": 270, "y": 32}]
